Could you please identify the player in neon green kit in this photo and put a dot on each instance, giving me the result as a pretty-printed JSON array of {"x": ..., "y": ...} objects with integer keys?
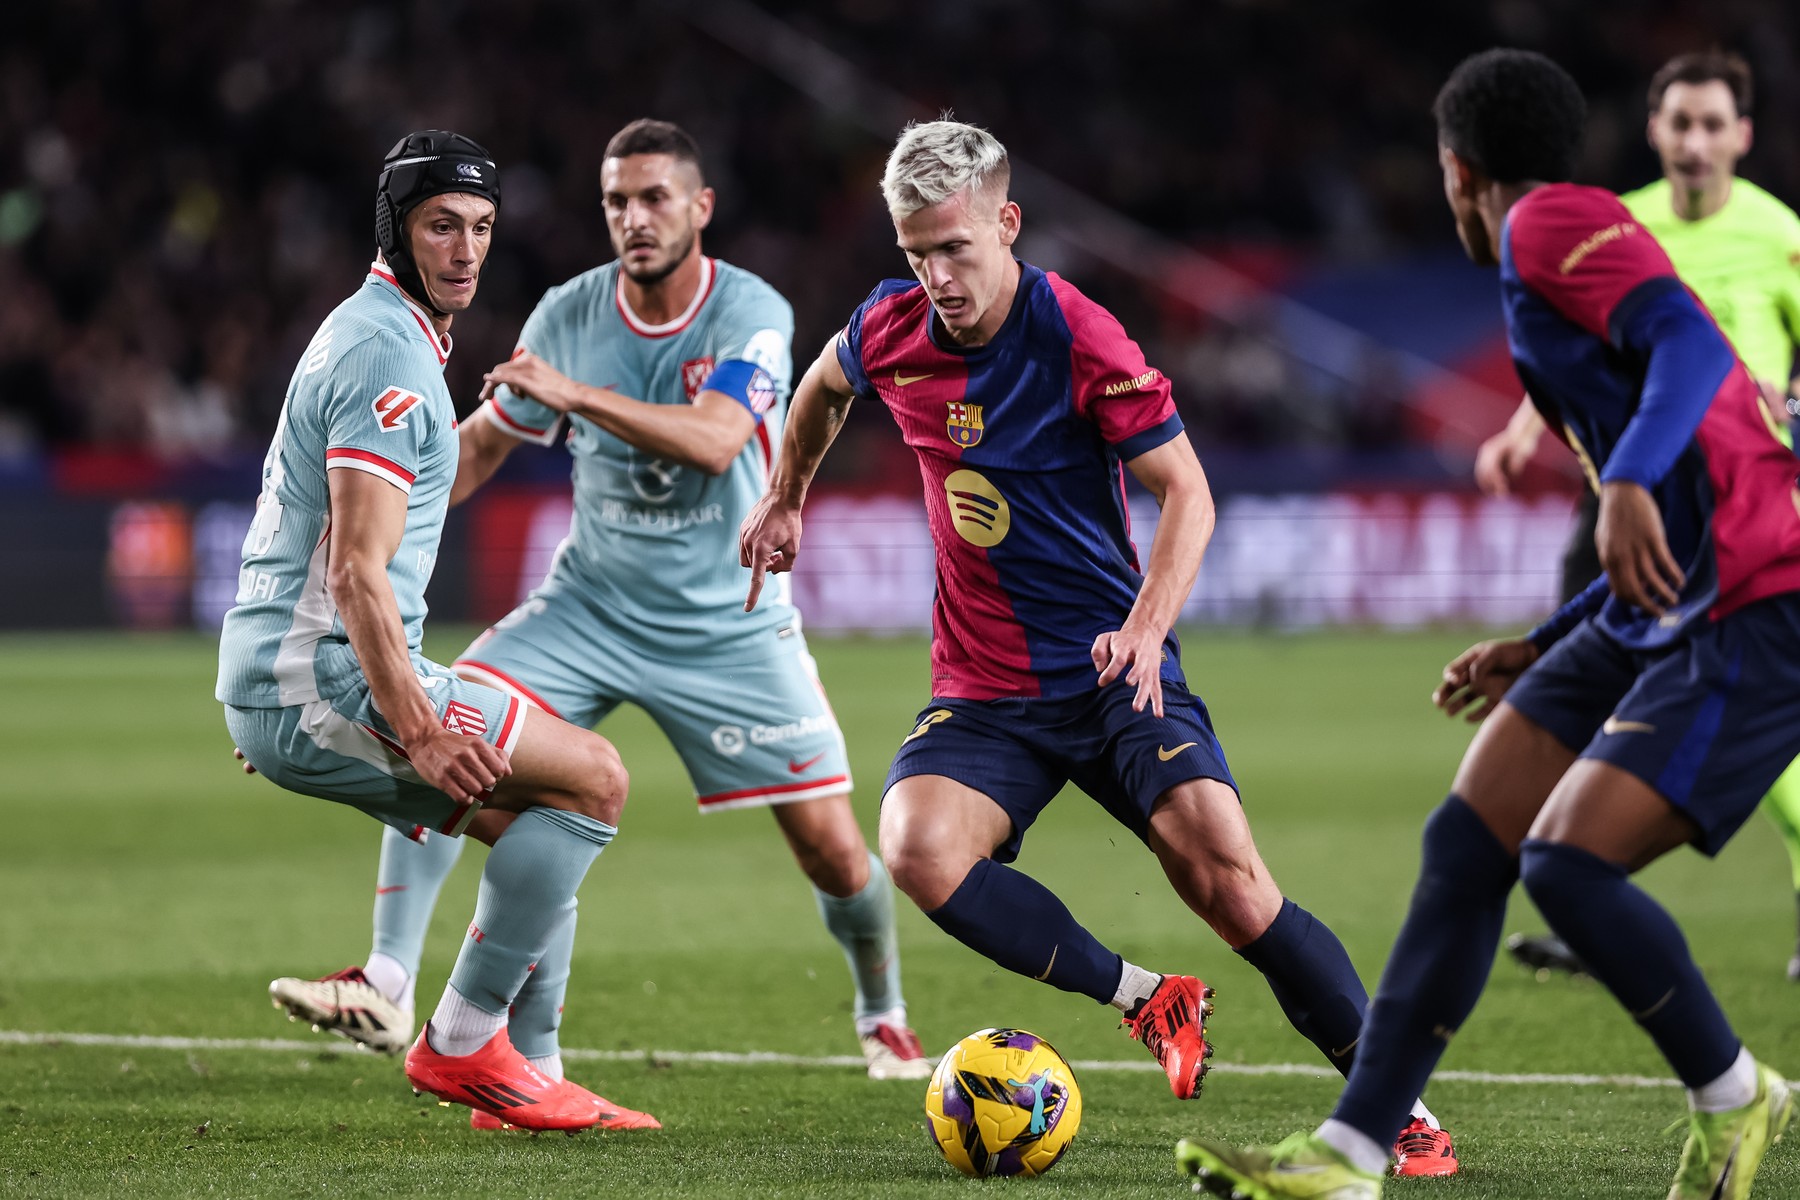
[{"x": 1738, "y": 248}]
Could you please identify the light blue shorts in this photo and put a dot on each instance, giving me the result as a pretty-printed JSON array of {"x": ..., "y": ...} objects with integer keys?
[
  {"x": 342, "y": 749},
  {"x": 751, "y": 733}
]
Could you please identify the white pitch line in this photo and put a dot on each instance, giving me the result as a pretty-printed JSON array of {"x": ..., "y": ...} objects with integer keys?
[{"x": 127, "y": 1041}]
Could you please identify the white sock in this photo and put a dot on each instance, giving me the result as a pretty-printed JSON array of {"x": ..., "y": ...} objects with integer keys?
[
  {"x": 1354, "y": 1145},
  {"x": 1135, "y": 987},
  {"x": 550, "y": 1064},
  {"x": 458, "y": 1027},
  {"x": 1734, "y": 1089},
  {"x": 893, "y": 1016},
  {"x": 390, "y": 978},
  {"x": 1424, "y": 1114}
]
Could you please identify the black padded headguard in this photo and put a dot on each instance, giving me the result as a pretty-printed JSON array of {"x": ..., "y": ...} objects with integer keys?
[{"x": 421, "y": 165}]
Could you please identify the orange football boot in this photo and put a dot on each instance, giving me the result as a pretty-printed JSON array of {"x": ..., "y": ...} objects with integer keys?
[
  {"x": 1172, "y": 1026},
  {"x": 612, "y": 1116},
  {"x": 501, "y": 1082},
  {"x": 1422, "y": 1150}
]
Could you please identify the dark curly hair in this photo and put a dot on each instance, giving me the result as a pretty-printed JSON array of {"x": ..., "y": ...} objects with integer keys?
[{"x": 1513, "y": 114}]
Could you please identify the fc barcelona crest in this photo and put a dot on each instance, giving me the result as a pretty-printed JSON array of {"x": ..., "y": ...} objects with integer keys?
[{"x": 964, "y": 423}]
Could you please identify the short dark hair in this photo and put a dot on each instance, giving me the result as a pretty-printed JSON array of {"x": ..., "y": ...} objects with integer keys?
[
  {"x": 646, "y": 136},
  {"x": 1706, "y": 66},
  {"x": 1513, "y": 114}
]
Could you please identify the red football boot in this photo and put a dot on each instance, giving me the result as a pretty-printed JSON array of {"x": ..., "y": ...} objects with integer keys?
[
  {"x": 1172, "y": 1026},
  {"x": 499, "y": 1081},
  {"x": 1422, "y": 1150},
  {"x": 612, "y": 1116}
]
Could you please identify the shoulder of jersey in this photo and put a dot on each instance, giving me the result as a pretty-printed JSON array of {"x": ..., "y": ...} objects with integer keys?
[
  {"x": 887, "y": 289},
  {"x": 582, "y": 289},
  {"x": 1568, "y": 201},
  {"x": 746, "y": 286},
  {"x": 1765, "y": 209},
  {"x": 1076, "y": 305}
]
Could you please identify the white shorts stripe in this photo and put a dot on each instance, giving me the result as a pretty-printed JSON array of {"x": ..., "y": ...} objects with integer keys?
[{"x": 331, "y": 730}]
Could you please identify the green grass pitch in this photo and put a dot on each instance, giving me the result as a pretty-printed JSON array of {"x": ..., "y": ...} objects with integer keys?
[{"x": 147, "y": 888}]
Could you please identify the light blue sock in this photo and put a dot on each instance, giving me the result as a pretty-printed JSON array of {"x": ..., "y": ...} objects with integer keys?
[
  {"x": 527, "y": 891},
  {"x": 406, "y": 890},
  {"x": 537, "y": 1013},
  {"x": 863, "y": 925}
]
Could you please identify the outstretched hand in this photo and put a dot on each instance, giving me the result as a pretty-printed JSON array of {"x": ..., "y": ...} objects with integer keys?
[
  {"x": 1137, "y": 654},
  {"x": 239, "y": 755},
  {"x": 768, "y": 542},
  {"x": 1477, "y": 678}
]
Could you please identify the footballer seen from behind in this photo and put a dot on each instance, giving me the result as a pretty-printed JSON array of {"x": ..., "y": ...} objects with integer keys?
[{"x": 1650, "y": 713}]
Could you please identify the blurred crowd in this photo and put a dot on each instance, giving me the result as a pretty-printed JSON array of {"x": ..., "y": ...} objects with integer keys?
[{"x": 186, "y": 186}]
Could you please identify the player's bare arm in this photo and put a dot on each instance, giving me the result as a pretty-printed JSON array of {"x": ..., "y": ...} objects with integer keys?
[
  {"x": 1502, "y": 458},
  {"x": 481, "y": 447},
  {"x": 706, "y": 435},
  {"x": 1634, "y": 549},
  {"x": 1476, "y": 679},
  {"x": 1173, "y": 474},
  {"x": 769, "y": 539},
  {"x": 368, "y": 519}
]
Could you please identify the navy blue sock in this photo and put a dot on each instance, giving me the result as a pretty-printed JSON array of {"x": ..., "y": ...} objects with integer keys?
[
  {"x": 1313, "y": 981},
  {"x": 1436, "y": 971},
  {"x": 1634, "y": 947},
  {"x": 1020, "y": 924}
]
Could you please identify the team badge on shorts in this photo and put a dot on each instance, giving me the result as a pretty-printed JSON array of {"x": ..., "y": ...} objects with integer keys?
[
  {"x": 465, "y": 719},
  {"x": 964, "y": 423}
]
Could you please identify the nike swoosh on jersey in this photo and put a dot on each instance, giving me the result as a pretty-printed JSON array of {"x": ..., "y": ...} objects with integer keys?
[
  {"x": 1614, "y": 725},
  {"x": 1048, "y": 965},
  {"x": 906, "y": 380},
  {"x": 1166, "y": 755},
  {"x": 798, "y": 767}
]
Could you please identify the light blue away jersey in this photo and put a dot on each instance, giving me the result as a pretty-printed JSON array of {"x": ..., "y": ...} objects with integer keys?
[
  {"x": 654, "y": 544},
  {"x": 368, "y": 395}
]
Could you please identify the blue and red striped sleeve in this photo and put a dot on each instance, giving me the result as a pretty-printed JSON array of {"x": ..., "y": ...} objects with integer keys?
[
  {"x": 1580, "y": 249},
  {"x": 1129, "y": 400},
  {"x": 849, "y": 343}
]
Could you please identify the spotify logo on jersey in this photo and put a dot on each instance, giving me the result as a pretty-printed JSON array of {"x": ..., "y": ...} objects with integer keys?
[{"x": 977, "y": 508}]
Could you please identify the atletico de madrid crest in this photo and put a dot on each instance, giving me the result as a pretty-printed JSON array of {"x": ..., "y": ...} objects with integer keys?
[{"x": 964, "y": 423}]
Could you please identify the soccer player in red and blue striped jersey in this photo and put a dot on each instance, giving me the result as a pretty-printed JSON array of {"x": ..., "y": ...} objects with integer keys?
[
  {"x": 1053, "y": 659},
  {"x": 1651, "y": 712}
]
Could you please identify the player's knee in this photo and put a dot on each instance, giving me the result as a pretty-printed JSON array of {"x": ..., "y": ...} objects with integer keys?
[
  {"x": 1221, "y": 885},
  {"x": 921, "y": 871},
  {"x": 604, "y": 781},
  {"x": 1557, "y": 876},
  {"x": 838, "y": 865},
  {"x": 1460, "y": 854}
]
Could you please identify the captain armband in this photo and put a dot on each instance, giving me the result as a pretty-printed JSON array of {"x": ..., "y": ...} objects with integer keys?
[{"x": 745, "y": 382}]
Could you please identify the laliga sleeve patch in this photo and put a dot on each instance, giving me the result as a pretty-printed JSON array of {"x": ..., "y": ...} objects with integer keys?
[
  {"x": 767, "y": 348},
  {"x": 392, "y": 406}
]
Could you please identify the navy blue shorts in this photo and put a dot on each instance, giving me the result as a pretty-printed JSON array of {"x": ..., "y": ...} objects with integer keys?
[
  {"x": 1020, "y": 752},
  {"x": 1709, "y": 722}
]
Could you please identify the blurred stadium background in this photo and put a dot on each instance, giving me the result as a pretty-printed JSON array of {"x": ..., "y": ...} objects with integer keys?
[{"x": 1250, "y": 185}]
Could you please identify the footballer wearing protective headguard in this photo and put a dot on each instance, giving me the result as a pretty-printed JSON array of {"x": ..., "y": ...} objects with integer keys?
[{"x": 325, "y": 688}]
